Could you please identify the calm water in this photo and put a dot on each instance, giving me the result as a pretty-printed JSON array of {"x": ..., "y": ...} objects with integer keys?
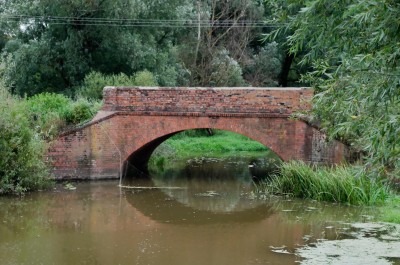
[{"x": 213, "y": 218}]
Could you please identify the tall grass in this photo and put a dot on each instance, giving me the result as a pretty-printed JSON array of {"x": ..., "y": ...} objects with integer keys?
[{"x": 340, "y": 184}]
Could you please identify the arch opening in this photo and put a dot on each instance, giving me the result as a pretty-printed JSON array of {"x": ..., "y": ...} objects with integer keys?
[
  {"x": 137, "y": 164},
  {"x": 204, "y": 183}
]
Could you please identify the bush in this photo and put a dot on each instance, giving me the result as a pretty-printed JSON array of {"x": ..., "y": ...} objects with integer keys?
[
  {"x": 24, "y": 127},
  {"x": 226, "y": 71},
  {"x": 94, "y": 82},
  {"x": 264, "y": 67},
  {"x": 144, "y": 78},
  {"x": 81, "y": 110},
  {"x": 47, "y": 112},
  {"x": 50, "y": 112},
  {"x": 22, "y": 166}
]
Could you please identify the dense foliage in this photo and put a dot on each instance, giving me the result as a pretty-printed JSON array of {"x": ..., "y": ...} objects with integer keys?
[
  {"x": 94, "y": 82},
  {"x": 353, "y": 47},
  {"x": 22, "y": 167},
  {"x": 26, "y": 125},
  {"x": 55, "y": 46},
  {"x": 52, "y": 112}
]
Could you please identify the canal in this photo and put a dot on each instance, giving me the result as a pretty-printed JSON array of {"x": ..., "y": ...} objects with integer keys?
[{"x": 196, "y": 211}]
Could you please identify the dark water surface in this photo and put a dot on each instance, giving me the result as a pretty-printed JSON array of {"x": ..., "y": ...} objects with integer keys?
[{"x": 214, "y": 218}]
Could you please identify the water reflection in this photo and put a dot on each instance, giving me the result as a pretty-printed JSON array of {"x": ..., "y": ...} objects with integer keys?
[
  {"x": 218, "y": 185},
  {"x": 202, "y": 191},
  {"x": 159, "y": 206}
]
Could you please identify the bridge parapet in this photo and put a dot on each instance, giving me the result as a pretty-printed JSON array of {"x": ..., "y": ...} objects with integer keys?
[{"x": 205, "y": 101}]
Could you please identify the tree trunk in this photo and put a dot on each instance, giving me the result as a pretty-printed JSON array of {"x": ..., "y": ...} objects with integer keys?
[{"x": 283, "y": 77}]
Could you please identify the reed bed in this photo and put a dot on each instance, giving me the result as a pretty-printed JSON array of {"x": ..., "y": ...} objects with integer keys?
[{"x": 340, "y": 184}]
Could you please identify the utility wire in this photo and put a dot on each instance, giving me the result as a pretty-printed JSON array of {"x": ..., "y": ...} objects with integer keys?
[{"x": 135, "y": 22}]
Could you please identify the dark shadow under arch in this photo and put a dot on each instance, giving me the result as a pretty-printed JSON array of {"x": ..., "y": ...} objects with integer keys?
[{"x": 138, "y": 160}]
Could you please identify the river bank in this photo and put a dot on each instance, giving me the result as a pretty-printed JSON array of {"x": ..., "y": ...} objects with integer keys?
[{"x": 200, "y": 142}]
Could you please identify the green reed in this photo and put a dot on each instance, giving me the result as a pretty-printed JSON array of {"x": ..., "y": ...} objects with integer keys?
[{"x": 340, "y": 184}]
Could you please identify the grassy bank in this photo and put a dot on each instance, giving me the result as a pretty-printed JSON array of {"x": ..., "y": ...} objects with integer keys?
[
  {"x": 341, "y": 184},
  {"x": 199, "y": 142}
]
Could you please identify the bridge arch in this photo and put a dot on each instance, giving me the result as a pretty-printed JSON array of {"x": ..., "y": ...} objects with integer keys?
[{"x": 139, "y": 157}]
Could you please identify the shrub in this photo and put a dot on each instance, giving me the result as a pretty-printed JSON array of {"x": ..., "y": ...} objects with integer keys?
[
  {"x": 22, "y": 166},
  {"x": 226, "y": 71},
  {"x": 47, "y": 112},
  {"x": 80, "y": 111},
  {"x": 50, "y": 112},
  {"x": 144, "y": 78},
  {"x": 94, "y": 82}
]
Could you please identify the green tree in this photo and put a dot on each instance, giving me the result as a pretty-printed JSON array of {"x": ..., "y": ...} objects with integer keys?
[
  {"x": 224, "y": 43},
  {"x": 57, "y": 43},
  {"x": 354, "y": 49},
  {"x": 51, "y": 45}
]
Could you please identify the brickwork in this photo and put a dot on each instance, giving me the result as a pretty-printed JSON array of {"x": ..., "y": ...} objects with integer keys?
[
  {"x": 133, "y": 121},
  {"x": 207, "y": 100}
]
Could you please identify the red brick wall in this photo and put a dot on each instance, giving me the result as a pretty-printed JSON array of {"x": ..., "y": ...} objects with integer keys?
[
  {"x": 207, "y": 100},
  {"x": 99, "y": 150}
]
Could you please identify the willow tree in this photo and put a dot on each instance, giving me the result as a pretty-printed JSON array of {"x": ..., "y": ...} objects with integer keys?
[{"x": 354, "y": 49}]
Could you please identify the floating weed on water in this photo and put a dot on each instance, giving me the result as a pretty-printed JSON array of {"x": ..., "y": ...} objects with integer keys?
[
  {"x": 209, "y": 193},
  {"x": 280, "y": 250},
  {"x": 69, "y": 186}
]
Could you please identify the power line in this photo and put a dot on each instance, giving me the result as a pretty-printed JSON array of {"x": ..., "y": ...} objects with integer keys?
[{"x": 77, "y": 21}]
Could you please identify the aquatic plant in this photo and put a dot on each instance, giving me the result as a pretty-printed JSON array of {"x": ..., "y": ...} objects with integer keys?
[
  {"x": 340, "y": 184},
  {"x": 390, "y": 212}
]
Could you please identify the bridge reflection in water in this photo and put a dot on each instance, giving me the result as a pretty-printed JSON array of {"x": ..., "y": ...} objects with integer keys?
[{"x": 209, "y": 190}]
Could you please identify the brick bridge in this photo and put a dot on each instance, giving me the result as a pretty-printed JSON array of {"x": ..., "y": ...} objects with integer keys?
[{"x": 135, "y": 120}]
